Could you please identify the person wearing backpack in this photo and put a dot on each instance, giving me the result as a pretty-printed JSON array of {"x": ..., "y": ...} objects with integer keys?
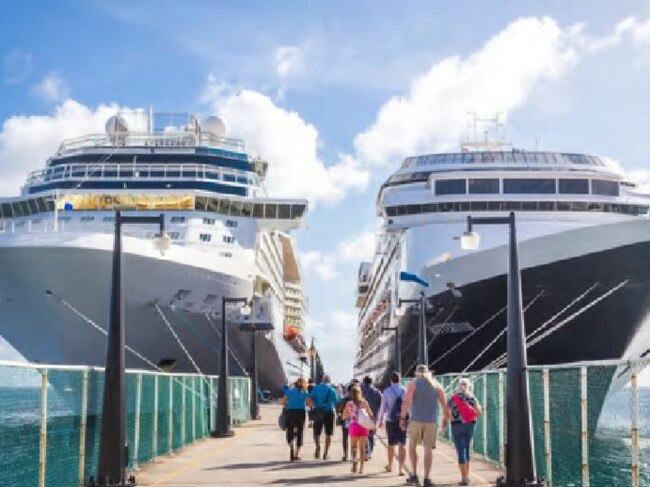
[
  {"x": 464, "y": 411},
  {"x": 324, "y": 397},
  {"x": 373, "y": 396},
  {"x": 389, "y": 415}
]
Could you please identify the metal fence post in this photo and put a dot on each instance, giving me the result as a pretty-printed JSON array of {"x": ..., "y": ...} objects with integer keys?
[
  {"x": 83, "y": 420},
  {"x": 584, "y": 426},
  {"x": 136, "y": 433},
  {"x": 202, "y": 406},
  {"x": 170, "y": 420},
  {"x": 42, "y": 460},
  {"x": 183, "y": 411},
  {"x": 485, "y": 417},
  {"x": 501, "y": 422},
  {"x": 193, "y": 409},
  {"x": 634, "y": 402},
  {"x": 211, "y": 404},
  {"x": 154, "y": 437},
  {"x": 547, "y": 426}
]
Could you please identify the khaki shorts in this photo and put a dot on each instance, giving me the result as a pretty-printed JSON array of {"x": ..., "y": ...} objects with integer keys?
[{"x": 423, "y": 433}]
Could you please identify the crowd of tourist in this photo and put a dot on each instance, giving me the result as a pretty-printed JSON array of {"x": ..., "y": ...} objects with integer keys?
[{"x": 400, "y": 415}]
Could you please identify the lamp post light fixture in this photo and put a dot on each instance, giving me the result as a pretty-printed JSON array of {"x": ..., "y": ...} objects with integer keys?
[
  {"x": 312, "y": 360},
  {"x": 253, "y": 327},
  {"x": 520, "y": 453},
  {"x": 398, "y": 350},
  {"x": 223, "y": 429},
  {"x": 113, "y": 449}
]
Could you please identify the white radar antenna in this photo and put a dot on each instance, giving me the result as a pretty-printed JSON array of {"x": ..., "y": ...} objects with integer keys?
[{"x": 485, "y": 135}]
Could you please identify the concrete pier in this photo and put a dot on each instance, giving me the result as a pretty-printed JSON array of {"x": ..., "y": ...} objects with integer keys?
[{"x": 258, "y": 455}]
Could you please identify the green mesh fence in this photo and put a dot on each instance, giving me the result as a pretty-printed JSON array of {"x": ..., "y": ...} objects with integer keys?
[
  {"x": 50, "y": 419},
  {"x": 591, "y": 422}
]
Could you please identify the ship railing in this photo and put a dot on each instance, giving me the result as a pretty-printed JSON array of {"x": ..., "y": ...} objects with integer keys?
[
  {"x": 174, "y": 139},
  {"x": 591, "y": 420},
  {"x": 50, "y": 418},
  {"x": 134, "y": 172}
]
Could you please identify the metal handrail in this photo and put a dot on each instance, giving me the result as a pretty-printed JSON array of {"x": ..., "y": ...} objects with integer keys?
[
  {"x": 147, "y": 139},
  {"x": 131, "y": 172}
]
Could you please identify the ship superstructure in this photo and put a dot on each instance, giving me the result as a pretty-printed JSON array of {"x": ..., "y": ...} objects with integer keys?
[
  {"x": 584, "y": 238},
  {"x": 228, "y": 239}
]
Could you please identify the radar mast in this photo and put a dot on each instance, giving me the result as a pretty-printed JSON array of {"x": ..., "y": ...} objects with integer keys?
[{"x": 490, "y": 130}]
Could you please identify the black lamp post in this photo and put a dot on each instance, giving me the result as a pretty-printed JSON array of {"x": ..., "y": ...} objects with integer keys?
[
  {"x": 223, "y": 399},
  {"x": 312, "y": 361},
  {"x": 253, "y": 328},
  {"x": 398, "y": 350},
  {"x": 113, "y": 449},
  {"x": 520, "y": 452}
]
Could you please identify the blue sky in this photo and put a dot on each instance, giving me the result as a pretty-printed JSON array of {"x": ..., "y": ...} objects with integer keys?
[{"x": 334, "y": 94}]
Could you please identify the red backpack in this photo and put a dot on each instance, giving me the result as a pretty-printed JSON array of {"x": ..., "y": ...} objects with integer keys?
[{"x": 467, "y": 412}]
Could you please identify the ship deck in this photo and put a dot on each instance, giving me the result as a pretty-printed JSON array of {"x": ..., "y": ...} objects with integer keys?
[{"x": 258, "y": 455}]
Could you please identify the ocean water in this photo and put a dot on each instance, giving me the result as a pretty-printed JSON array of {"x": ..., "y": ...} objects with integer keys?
[{"x": 610, "y": 448}]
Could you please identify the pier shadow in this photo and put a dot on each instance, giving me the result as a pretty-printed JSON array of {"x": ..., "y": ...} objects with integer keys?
[
  {"x": 244, "y": 466},
  {"x": 319, "y": 480}
]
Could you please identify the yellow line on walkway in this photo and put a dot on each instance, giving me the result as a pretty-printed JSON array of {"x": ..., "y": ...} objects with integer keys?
[{"x": 188, "y": 465}]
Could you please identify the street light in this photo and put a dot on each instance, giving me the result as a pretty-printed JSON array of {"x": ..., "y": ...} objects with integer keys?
[
  {"x": 223, "y": 399},
  {"x": 253, "y": 326},
  {"x": 422, "y": 325},
  {"x": 113, "y": 449},
  {"x": 312, "y": 360},
  {"x": 520, "y": 453},
  {"x": 398, "y": 350}
]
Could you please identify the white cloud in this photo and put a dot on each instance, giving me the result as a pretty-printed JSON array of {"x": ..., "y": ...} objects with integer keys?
[
  {"x": 16, "y": 66},
  {"x": 287, "y": 60},
  {"x": 287, "y": 142},
  {"x": 317, "y": 263},
  {"x": 358, "y": 248},
  {"x": 628, "y": 29},
  {"x": 336, "y": 341},
  {"x": 53, "y": 88},
  {"x": 432, "y": 115},
  {"x": 27, "y": 141}
]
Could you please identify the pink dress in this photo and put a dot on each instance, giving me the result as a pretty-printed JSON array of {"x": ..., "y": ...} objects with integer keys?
[{"x": 355, "y": 429}]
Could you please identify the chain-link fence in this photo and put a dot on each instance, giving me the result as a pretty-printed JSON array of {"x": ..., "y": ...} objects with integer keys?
[
  {"x": 591, "y": 421},
  {"x": 50, "y": 419}
]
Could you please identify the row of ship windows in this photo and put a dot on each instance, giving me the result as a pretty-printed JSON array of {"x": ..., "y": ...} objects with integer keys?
[
  {"x": 513, "y": 156},
  {"x": 90, "y": 202},
  {"x": 526, "y": 186},
  {"x": 173, "y": 219},
  {"x": 400, "y": 210},
  {"x": 516, "y": 185}
]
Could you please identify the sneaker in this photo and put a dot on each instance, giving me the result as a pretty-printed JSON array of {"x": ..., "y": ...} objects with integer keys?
[
  {"x": 412, "y": 479},
  {"x": 427, "y": 483},
  {"x": 464, "y": 482}
]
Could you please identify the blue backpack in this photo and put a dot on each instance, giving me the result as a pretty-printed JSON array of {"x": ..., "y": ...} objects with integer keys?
[{"x": 396, "y": 411}]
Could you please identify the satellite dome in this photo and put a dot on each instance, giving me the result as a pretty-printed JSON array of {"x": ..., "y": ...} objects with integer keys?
[
  {"x": 214, "y": 125},
  {"x": 116, "y": 125}
]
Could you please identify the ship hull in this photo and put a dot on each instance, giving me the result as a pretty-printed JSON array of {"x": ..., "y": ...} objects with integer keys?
[
  {"x": 600, "y": 298},
  {"x": 49, "y": 295}
]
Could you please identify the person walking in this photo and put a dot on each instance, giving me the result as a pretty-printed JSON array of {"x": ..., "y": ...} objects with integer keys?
[
  {"x": 344, "y": 423},
  {"x": 389, "y": 416},
  {"x": 295, "y": 400},
  {"x": 359, "y": 413},
  {"x": 373, "y": 396},
  {"x": 464, "y": 408},
  {"x": 324, "y": 397},
  {"x": 422, "y": 398}
]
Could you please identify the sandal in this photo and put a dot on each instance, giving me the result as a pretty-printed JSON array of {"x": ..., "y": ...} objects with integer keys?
[{"x": 388, "y": 469}]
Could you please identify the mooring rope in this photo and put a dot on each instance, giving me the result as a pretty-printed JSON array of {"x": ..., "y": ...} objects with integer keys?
[{"x": 232, "y": 351}]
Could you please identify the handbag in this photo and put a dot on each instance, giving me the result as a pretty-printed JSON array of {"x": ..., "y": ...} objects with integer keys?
[
  {"x": 364, "y": 419},
  {"x": 282, "y": 419},
  {"x": 467, "y": 412}
]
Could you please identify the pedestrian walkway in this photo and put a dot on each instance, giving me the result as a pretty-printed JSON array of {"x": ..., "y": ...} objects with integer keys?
[{"x": 258, "y": 455}]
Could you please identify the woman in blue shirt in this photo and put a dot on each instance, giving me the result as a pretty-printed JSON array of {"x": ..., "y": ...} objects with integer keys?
[{"x": 294, "y": 401}]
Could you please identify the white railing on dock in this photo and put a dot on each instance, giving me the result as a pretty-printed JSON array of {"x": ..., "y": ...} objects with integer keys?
[
  {"x": 591, "y": 421},
  {"x": 50, "y": 418}
]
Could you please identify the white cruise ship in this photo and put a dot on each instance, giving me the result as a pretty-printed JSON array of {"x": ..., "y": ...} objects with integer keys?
[
  {"x": 228, "y": 239},
  {"x": 584, "y": 239}
]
